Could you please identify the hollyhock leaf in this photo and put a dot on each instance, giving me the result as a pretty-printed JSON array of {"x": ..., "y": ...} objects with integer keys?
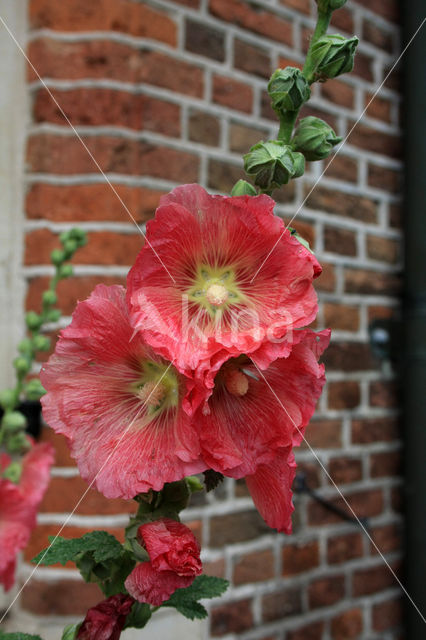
[
  {"x": 190, "y": 609},
  {"x": 138, "y": 616},
  {"x": 212, "y": 479},
  {"x": 70, "y": 631},
  {"x": 205, "y": 587},
  {"x": 18, "y": 636},
  {"x": 103, "y": 545}
]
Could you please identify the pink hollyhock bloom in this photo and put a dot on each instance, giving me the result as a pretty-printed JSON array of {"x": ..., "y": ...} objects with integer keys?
[
  {"x": 106, "y": 620},
  {"x": 19, "y": 504},
  {"x": 118, "y": 403},
  {"x": 219, "y": 272},
  {"x": 254, "y": 418},
  {"x": 174, "y": 555}
]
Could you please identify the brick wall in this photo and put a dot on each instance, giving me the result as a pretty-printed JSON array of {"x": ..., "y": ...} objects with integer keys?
[{"x": 164, "y": 92}]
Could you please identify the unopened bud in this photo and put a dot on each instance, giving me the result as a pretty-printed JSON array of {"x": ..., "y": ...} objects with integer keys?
[
  {"x": 22, "y": 365},
  {"x": 243, "y": 188},
  {"x": 65, "y": 271},
  {"x": 49, "y": 297},
  {"x": 194, "y": 484},
  {"x": 14, "y": 421},
  {"x": 273, "y": 163},
  {"x": 314, "y": 138},
  {"x": 41, "y": 343},
  {"x": 333, "y": 55},
  {"x": 288, "y": 89},
  {"x": 70, "y": 246},
  {"x": 53, "y": 315},
  {"x": 57, "y": 257},
  {"x": 13, "y": 472},
  {"x": 324, "y": 6},
  {"x": 18, "y": 443},
  {"x": 79, "y": 235},
  {"x": 34, "y": 390},
  {"x": 33, "y": 320},
  {"x": 25, "y": 346},
  {"x": 7, "y": 398}
]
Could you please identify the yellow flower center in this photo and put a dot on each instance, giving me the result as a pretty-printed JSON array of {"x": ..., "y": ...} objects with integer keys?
[
  {"x": 217, "y": 294},
  {"x": 158, "y": 387},
  {"x": 215, "y": 289}
]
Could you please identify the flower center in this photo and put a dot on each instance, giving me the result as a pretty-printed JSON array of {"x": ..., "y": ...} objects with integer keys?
[
  {"x": 236, "y": 382},
  {"x": 217, "y": 294},
  {"x": 215, "y": 289},
  {"x": 158, "y": 387},
  {"x": 152, "y": 393}
]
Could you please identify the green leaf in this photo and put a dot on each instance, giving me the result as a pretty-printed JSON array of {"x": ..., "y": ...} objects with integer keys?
[
  {"x": 103, "y": 545},
  {"x": 70, "y": 631},
  {"x": 186, "y": 600},
  {"x": 138, "y": 616},
  {"x": 191, "y": 609},
  {"x": 18, "y": 636}
]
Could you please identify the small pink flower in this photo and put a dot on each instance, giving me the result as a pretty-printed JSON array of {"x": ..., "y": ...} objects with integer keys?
[
  {"x": 106, "y": 620},
  {"x": 119, "y": 404},
  {"x": 174, "y": 561}
]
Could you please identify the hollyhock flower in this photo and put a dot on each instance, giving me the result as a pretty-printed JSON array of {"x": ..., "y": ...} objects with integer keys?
[
  {"x": 219, "y": 272},
  {"x": 174, "y": 561},
  {"x": 18, "y": 506},
  {"x": 254, "y": 418},
  {"x": 106, "y": 620},
  {"x": 118, "y": 403}
]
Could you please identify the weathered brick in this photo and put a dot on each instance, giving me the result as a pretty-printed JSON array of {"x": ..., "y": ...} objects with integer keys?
[
  {"x": 384, "y": 393},
  {"x": 389, "y": 9},
  {"x": 311, "y": 471},
  {"x": 234, "y": 617},
  {"x": 345, "y": 470},
  {"x": 324, "y": 434},
  {"x": 252, "y": 18},
  {"x": 204, "y": 40},
  {"x": 378, "y": 107},
  {"x": 387, "y": 538},
  {"x": 62, "y": 454},
  {"x": 281, "y": 604},
  {"x": 241, "y": 137},
  {"x": 363, "y": 66},
  {"x": 343, "y": 20},
  {"x": 344, "y": 548},
  {"x": 372, "y": 580},
  {"x": 232, "y": 94},
  {"x": 385, "y": 464},
  {"x": 236, "y": 527},
  {"x": 347, "y": 625},
  {"x": 383, "y": 249},
  {"x": 312, "y": 631},
  {"x": 252, "y": 59},
  {"x": 371, "y": 430},
  {"x": 389, "y": 180},
  {"x": 372, "y": 282},
  {"x": 326, "y": 591},
  {"x": 395, "y": 215},
  {"x": 342, "y": 168},
  {"x": 341, "y": 316},
  {"x": 376, "y": 141},
  {"x": 204, "y": 128},
  {"x": 387, "y": 614},
  {"x": 364, "y": 504},
  {"x": 300, "y": 5},
  {"x": 107, "y": 59},
  {"x": 327, "y": 280},
  {"x": 343, "y": 395},
  {"x": 222, "y": 176},
  {"x": 343, "y": 204},
  {"x": 338, "y": 92},
  {"x": 376, "y": 312},
  {"x": 215, "y": 568},
  {"x": 136, "y": 19},
  {"x": 98, "y": 107},
  {"x": 60, "y": 597},
  {"x": 340, "y": 241},
  {"x": 298, "y": 558},
  {"x": 254, "y": 567},
  {"x": 349, "y": 356},
  {"x": 91, "y": 202}
]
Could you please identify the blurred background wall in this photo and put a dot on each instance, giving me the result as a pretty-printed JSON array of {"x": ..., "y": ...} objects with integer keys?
[{"x": 165, "y": 92}]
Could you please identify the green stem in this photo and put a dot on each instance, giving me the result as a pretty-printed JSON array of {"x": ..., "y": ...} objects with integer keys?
[{"x": 287, "y": 120}]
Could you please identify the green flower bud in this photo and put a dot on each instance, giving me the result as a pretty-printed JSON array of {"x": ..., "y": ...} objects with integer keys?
[
  {"x": 25, "y": 346},
  {"x": 41, "y": 343},
  {"x": 14, "y": 421},
  {"x": 57, "y": 257},
  {"x": 194, "y": 484},
  {"x": 70, "y": 246},
  {"x": 22, "y": 365},
  {"x": 288, "y": 89},
  {"x": 33, "y": 320},
  {"x": 273, "y": 163},
  {"x": 243, "y": 188},
  {"x": 314, "y": 138},
  {"x": 65, "y": 271},
  {"x": 79, "y": 235},
  {"x": 34, "y": 390},
  {"x": 53, "y": 315},
  {"x": 329, "y": 5},
  {"x": 18, "y": 443},
  {"x": 7, "y": 398},
  {"x": 13, "y": 472},
  {"x": 49, "y": 297},
  {"x": 332, "y": 56}
]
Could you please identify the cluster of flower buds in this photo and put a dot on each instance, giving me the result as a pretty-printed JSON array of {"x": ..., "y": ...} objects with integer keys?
[
  {"x": 314, "y": 138},
  {"x": 273, "y": 163},
  {"x": 288, "y": 89}
]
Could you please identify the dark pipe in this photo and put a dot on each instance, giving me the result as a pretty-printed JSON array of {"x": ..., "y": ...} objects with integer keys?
[{"x": 414, "y": 353}]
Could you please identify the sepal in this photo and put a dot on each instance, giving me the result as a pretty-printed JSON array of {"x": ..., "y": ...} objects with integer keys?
[{"x": 314, "y": 138}]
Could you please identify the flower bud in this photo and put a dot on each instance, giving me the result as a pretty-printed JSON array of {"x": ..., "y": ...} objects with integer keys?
[
  {"x": 333, "y": 55},
  {"x": 288, "y": 89},
  {"x": 329, "y": 5},
  {"x": 13, "y": 472},
  {"x": 18, "y": 443},
  {"x": 314, "y": 138},
  {"x": 57, "y": 257},
  {"x": 65, "y": 271},
  {"x": 41, "y": 343},
  {"x": 7, "y": 398},
  {"x": 273, "y": 163},
  {"x": 33, "y": 320},
  {"x": 79, "y": 235},
  {"x": 25, "y": 346},
  {"x": 243, "y": 188},
  {"x": 49, "y": 297},
  {"x": 22, "y": 365},
  {"x": 34, "y": 390},
  {"x": 194, "y": 484},
  {"x": 53, "y": 315},
  {"x": 70, "y": 246},
  {"x": 14, "y": 421}
]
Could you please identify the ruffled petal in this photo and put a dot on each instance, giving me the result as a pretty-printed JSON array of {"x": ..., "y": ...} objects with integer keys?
[{"x": 145, "y": 584}]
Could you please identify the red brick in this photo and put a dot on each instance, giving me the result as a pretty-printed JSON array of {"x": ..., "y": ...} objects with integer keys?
[
  {"x": 343, "y": 20},
  {"x": 387, "y": 614},
  {"x": 312, "y": 631},
  {"x": 338, "y": 92},
  {"x": 236, "y": 527},
  {"x": 281, "y": 604},
  {"x": 376, "y": 141},
  {"x": 363, "y": 66},
  {"x": 343, "y": 204},
  {"x": 66, "y": 155},
  {"x": 349, "y": 356},
  {"x": 388, "y": 9},
  {"x": 60, "y": 597},
  {"x": 364, "y": 504},
  {"x": 324, "y": 434},
  {"x": 384, "y": 394},
  {"x": 341, "y": 316},
  {"x": 342, "y": 168},
  {"x": 222, "y": 176},
  {"x": 234, "y": 617},
  {"x": 397, "y": 499},
  {"x": 344, "y": 548},
  {"x": 252, "y": 59},
  {"x": 372, "y": 430},
  {"x": 215, "y": 568},
  {"x": 372, "y": 580},
  {"x": 232, "y": 94},
  {"x": 252, "y": 18},
  {"x": 378, "y": 107},
  {"x": 340, "y": 241},
  {"x": 372, "y": 282},
  {"x": 327, "y": 279},
  {"x": 194, "y": 4},
  {"x": 204, "y": 40},
  {"x": 387, "y": 538},
  {"x": 385, "y": 464},
  {"x": 347, "y": 625},
  {"x": 326, "y": 591},
  {"x": 241, "y": 137},
  {"x": 312, "y": 473},
  {"x": 103, "y": 247},
  {"x": 107, "y": 59},
  {"x": 395, "y": 216},
  {"x": 389, "y": 180},
  {"x": 254, "y": 567},
  {"x": 204, "y": 128},
  {"x": 300, "y": 5},
  {"x": 108, "y": 107},
  {"x": 345, "y": 470},
  {"x": 383, "y": 249},
  {"x": 298, "y": 558},
  {"x": 62, "y": 455},
  {"x": 285, "y": 61},
  {"x": 381, "y": 312},
  {"x": 343, "y": 395}
]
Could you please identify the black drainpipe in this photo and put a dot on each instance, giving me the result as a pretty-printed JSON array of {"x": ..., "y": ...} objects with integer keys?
[{"x": 414, "y": 318}]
